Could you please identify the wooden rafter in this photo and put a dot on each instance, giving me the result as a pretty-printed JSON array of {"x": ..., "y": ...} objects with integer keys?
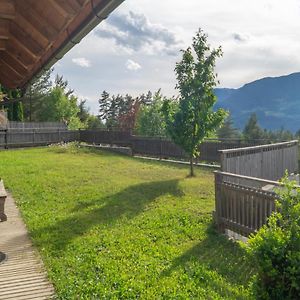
[{"x": 35, "y": 33}]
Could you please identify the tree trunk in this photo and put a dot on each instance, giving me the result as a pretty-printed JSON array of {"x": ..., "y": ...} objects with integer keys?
[{"x": 192, "y": 174}]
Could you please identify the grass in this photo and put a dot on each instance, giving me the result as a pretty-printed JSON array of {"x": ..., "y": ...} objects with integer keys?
[{"x": 114, "y": 227}]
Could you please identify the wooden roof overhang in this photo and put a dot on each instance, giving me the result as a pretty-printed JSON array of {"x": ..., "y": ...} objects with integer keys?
[{"x": 34, "y": 34}]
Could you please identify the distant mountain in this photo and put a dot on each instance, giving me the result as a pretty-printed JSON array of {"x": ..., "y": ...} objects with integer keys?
[{"x": 276, "y": 100}]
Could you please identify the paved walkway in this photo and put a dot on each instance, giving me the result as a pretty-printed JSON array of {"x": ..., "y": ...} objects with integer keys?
[{"x": 22, "y": 276}]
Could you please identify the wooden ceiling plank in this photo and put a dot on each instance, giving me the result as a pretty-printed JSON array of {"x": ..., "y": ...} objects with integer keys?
[
  {"x": 7, "y": 9},
  {"x": 8, "y": 83},
  {"x": 36, "y": 20},
  {"x": 2, "y": 45},
  {"x": 12, "y": 61},
  {"x": 32, "y": 30},
  {"x": 4, "y": 29},
  {"x": 26, "y": 39},
  {"x": 7, "y": 68},
  {"x": 63, "y": 8},
  {"x": 21, "y": 53},
  {"x": 49, "y": 15}
]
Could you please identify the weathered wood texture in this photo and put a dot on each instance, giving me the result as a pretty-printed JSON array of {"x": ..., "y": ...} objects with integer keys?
[
  {"x": 22, "y": 275},
  {"x": 242, "y": 208},
  {"x": 266, "y": 161},
  {"x": 36, "y": 137}
]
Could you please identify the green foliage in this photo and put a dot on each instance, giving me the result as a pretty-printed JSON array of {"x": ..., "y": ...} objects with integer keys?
[
  {"x": 252, "y": 130},
  {"x": 193, "y": 119},
  {"x": 228, "y": 131},
  {"x": 14, "y": 109},
  {"x": 113, "y": 227},
  {"x": 150, "y": 121},
  {"x": 94, "y": 122},
  {"x": 83, "y": 111},
  {"x": 118, "y": 111},
  {"x": 276, "y": 248}
]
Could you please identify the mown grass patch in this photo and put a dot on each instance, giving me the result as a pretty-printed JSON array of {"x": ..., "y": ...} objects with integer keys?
[{"x": 114, "y": 227}]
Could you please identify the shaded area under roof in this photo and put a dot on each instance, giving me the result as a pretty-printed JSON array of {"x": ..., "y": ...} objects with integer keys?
[{"x": 34, "y": 34}]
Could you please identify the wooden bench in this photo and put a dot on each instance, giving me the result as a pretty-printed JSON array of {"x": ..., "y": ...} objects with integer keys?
[{"x": 3, "y": 196}]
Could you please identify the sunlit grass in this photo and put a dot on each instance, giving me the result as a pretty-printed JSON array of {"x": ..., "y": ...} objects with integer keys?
[{"x": 114, "y": 227}]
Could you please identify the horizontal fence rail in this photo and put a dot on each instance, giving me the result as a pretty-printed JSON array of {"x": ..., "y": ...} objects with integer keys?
[
  {"x": 266, "y": 161},
  {"x": 243, "y": 208}
]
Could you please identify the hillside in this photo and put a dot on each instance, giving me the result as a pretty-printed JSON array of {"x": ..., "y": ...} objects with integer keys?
[{"x": 276, "y": 100}]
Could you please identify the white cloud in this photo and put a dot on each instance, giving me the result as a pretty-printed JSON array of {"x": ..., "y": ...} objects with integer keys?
[
  {"x": 82, "y": 62},
  {"x": 134, "y": 31},
  {"x": 259, "y": 38},
  {"x": 132, "y": 65}
]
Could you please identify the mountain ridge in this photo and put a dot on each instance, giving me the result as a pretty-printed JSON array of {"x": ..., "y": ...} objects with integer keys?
[{"x": 275, "y": 100}]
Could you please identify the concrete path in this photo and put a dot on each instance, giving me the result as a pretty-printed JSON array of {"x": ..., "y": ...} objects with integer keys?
[{"x": 22, "y": 276}]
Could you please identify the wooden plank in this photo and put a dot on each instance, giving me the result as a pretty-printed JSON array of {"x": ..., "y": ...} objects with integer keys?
[
  {"x": 22, "y": 275},
  {"x": 7, "y": 9}
]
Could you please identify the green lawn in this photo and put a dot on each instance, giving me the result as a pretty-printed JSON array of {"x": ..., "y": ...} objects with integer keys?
[{"x": 113, "y": 227}]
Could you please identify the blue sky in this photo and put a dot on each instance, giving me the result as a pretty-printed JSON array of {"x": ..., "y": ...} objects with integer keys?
[{"x": 136, "y": 48}]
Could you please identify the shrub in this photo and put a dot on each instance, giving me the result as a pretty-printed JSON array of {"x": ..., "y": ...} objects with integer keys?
[{"x": 276, "y": 248}]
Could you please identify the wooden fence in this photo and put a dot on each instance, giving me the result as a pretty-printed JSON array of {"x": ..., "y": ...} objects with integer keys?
[
  {"x": 35, "y": 137},
  {"x": 242, "y": 208},
  {"x": 158, "y": 146},
  {"x": 13, "y": 125},
  {"x": 266, "y": 161},
  {"x": 244, "y": 189}
]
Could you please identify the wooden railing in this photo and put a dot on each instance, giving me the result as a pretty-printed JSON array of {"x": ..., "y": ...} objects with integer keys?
[
  {"x": 266, "y": 161},
  {"x": 243, "y": 208}
]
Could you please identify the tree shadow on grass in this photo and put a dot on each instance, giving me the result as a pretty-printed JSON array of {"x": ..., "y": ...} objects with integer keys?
[
  {"x": 215, "y": 254},
  {"x": 106, "y": 211}
]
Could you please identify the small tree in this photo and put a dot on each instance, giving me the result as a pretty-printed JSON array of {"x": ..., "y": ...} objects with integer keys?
[
  {"x": 252, "y": 130},
  {"x": 228, "y": 131},
  {"x": 193, "y": 119},
  {"x": 151, "y": 121}
]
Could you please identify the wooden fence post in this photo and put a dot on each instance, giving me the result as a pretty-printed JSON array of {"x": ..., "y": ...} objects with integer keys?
[
  {"x": 218, "y": 213},
  {"x": 33, "y": 136},
  {"x": 6, "y": 138}
]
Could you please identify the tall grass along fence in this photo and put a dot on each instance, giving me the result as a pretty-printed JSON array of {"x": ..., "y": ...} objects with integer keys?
[
  {"x": 244, "y": 190},
  {"x": 160, "y": 147}
]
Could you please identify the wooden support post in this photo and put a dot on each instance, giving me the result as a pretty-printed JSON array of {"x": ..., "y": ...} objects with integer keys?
[
  {"x": 218, "y": 205},
  {"x": 3, "y": 196}
]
